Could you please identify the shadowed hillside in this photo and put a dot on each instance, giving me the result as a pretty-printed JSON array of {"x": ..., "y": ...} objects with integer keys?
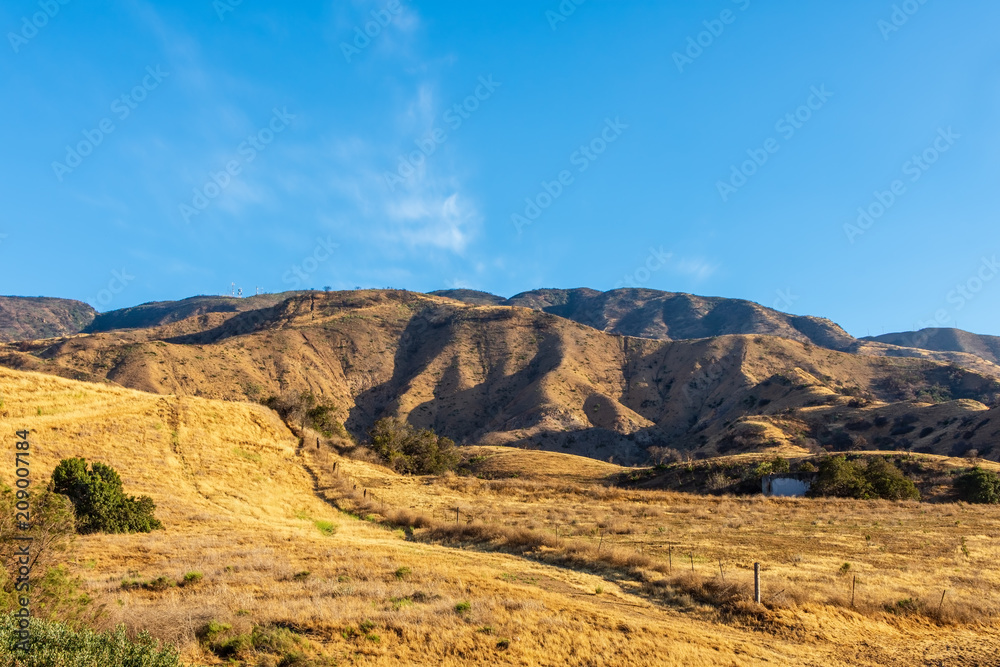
[
  {"x": 946, "y": 340},
  {"x": 648, "y": 313},
  {"x": 28, "y": 318},
  {"x": 501, "y": 375}
]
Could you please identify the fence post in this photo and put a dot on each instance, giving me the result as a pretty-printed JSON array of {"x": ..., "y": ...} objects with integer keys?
[
  {"x": 723, "y": 574},
  {"x": 941, "y": 604},
  {"x": 691, "y": 556},
  {"x": 854, "y": 585},
  {"x": 670, "y": 559},
  {"x": 756, "y": 583}
]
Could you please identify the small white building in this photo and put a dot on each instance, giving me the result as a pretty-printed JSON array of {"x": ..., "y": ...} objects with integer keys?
[{"x": 789, "y": 484}]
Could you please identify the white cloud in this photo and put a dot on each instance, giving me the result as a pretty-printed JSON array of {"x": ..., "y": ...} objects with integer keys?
[{"x": 694, "y": 267}]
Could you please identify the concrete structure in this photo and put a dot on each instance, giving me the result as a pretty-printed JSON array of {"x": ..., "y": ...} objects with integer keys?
[{"x": 787, "y": 484}]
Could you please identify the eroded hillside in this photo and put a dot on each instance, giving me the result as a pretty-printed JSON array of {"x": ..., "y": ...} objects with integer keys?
[{"x": 518, "y": 376}]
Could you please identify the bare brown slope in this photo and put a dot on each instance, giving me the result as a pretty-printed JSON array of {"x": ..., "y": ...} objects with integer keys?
[
  {"x": 946, "y": 340},
  {"x": 648, "y": 313},
  {"x": 517, "y": 376},
  {"x": 28, "y": 318}
]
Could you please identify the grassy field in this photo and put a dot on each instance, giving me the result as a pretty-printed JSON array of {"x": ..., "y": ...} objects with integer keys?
[{"x": 549, "y": 568}]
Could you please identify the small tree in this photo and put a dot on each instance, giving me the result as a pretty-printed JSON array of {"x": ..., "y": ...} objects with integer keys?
[
  {"x": 888, "y": 482},
  {"x": 54, "y": 593},
  {"x": 412, "y": 451},
  {"x": 978, "y": 486},
  {"x": 99, "y": 501},
  {"x": 840, "y": 478}
]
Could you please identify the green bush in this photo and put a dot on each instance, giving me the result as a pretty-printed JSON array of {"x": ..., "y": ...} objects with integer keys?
[
  {"x": 99, "y": 501},
  {"x": 306, "y": 410},
  {"x": 888, "y": 482},
  {"x": 57, "y": 644},
  {"x": 978, "y": 486},
  {"x": 411, "y": 451},
  {"x": 841, "y": 478}
]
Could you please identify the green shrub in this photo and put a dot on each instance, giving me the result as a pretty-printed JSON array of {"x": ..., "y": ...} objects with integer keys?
[
  {"x": 191, "y": 578},
  {"x": 841, "y": 478},
  {"x": 463, "y": 607},
  {"x": 978, "y": 486},
  {"x": 99, "y": 501},
  {"x": 411, "y": 451},
  {"x": 326, "y": 527},
  {"x": 888, "y": 482},
  {"x": 54, "y": 592},
  {"x": 56, "y": 644}
]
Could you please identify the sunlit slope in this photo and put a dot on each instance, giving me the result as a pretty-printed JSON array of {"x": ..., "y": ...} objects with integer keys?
[
  {"x": 500, "y": 375},
  {"x": 239, "y": 505}
]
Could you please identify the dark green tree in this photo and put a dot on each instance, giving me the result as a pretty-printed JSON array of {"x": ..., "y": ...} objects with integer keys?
[
  {"x": 888, "y": 482},
  {"x": 99, "y": 499},
  {"x": 840, "y": 478},
  {"x": 412, "y": 451},
  {"x": 978, "y": 486}
]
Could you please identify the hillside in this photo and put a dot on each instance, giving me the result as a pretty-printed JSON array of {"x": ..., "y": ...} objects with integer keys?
[
  {"x": 647, "y": 313},
  {"x": 946, "y": 340},
  {"x": 501, "y": 375},
  {"x": 550, "y": 569},
  {"x": 158, "y": 313},
  {"x": 28, "y": 318}
]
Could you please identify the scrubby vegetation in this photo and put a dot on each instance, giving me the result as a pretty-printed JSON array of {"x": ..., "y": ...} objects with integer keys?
[
  {"x": 978, "y": 486},
  {"x": 99, "y": 500},
  {"x": 54, "y": 591},
  {"x": 412, "y": 451},
  {"x": 305, "y": 410},
  {"x": 840, "y": 477},
  {"x": 55, "y": 644}
]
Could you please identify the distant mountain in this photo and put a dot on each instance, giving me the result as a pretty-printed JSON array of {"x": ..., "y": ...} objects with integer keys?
[
  {"x": 28, "y": 318},
  {"x": 158, "y": 313},
  {"x": 505, "y": 375},
  {"x": 946, "y": 340},
  {"x": 647, "y": 313}
]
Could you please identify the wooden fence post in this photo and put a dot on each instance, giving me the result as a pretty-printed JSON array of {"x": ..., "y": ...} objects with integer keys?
[
  {"x": 756, "y": 583},
  {"x": 854, "y": 585},
  {"x": 723, "y": 574},
  {"x": 691, "y": 556},
  {"x": 670, "y": 559},
  {"x": 941, "y": 604}
]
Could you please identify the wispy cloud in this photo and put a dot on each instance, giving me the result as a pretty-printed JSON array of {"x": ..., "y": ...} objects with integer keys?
[{"x": 694, "y": 267}]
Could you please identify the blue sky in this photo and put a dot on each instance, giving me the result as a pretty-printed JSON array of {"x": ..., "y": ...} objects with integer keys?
[{"x": 157, "y": 150}]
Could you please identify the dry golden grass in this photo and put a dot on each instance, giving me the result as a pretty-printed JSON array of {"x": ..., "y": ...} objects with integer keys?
[{"x": 240, "y": 504}]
